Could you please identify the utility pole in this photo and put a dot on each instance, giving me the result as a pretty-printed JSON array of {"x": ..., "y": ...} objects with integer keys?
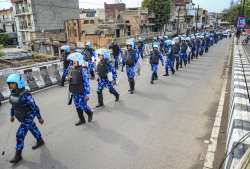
[
  {"x": 178, "y": 21},
  {"x": 196, "y": 20},
  {"x": 243, "y": 8}
]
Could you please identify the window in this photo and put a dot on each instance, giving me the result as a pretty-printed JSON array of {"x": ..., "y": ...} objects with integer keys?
[
  {"x": 92, "y": 22},
  {"x": 86, "y": 22}
]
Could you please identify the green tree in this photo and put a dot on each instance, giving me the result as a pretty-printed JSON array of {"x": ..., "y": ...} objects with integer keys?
[
  {"x": 4, "y": 39},
  {"x": 161, "y": 9},
  {"x": 231, "y": 15},
  {"x": 1, "y": 52}
]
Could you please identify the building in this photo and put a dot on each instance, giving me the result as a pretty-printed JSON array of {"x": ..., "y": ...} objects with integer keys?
[
  {"x": 79, "y": 31},
  {"x": 37, "y": 19},
  {"x": 178, "y": 13},
  {"x": 92, "y": 13},
  {"x": 113, "y": 10},
  {"x": 7, "y": 21}
]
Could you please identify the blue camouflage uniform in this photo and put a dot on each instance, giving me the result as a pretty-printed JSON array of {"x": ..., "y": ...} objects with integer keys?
[
  {"x": 140, "y": 48},
  {"x": 89, "y": 54},
  {"x": 116, "y": 51},
  {"x": 79, "y": 98},
  {"x": 177, "y": 55},
  {"x": 155, "y": 56},
  {"x": 170, "y": 59},
  {"x": 183, "y": 54},
  {"x": 105, "y": 82},
  {"x": 27, "y": 124},
  {"x": 130, "y": 69}
]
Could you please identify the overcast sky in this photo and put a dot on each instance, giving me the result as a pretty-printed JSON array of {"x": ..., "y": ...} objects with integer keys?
[{"x": 211, "y": 5}]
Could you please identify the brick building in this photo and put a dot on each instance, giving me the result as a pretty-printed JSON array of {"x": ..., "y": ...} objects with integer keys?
[{"x": 112, "y": 11}]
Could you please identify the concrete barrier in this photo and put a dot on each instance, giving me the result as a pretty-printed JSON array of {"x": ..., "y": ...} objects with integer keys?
[{"x": 239, "y": 112}]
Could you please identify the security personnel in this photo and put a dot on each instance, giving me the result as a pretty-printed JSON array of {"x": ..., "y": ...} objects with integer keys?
[
  {"x": 155, "y": 56},
  {"x": 189, "y": 49},
  {"x": 130, "y": 60},
  {"x": 170, "y": 57},
  {"x": 140, "y": 47},
  {"x": 105, "y": 70},
  {"x": 202, "y": 47},
  {"x": 65, "y": 51},
  {"x": 89, "y": 55},
  {"x": 198, "y": 46},
  {"x": 116, "y": 51},
  {"x": 176, "y": 51},
  {"x": 183, "y": 52},
  {"x": 193, "y": 49},
  {"x": 24, "y": 109},
  {"x": 79, "y": 88},
  {"x": 207, "y": 43}
]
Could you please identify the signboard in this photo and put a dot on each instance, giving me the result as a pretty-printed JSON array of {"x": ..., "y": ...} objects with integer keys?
[{"x": 241, "y": 22}]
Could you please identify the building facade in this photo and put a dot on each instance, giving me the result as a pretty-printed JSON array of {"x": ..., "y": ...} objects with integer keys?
[
  {"x": 7, "y": 21},
  {"x": 42, "y": 17},
  {"x": 112, "y": 11}
]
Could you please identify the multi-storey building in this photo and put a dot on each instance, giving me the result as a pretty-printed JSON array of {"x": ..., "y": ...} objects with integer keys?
[
  {"x": 37, "y": 19},
  {"x": 7, "y": 21}
]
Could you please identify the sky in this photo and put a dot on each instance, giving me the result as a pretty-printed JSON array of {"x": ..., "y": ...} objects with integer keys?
[{"x": 210, "y": 5}]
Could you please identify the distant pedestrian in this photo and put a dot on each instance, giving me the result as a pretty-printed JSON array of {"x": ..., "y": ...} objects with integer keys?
[{"x": 238, "y": 34}]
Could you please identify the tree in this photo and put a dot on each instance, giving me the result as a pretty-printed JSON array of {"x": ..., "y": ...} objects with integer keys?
[
  {"x": 161, "y": 9},
  {"x": 231, "y": 15},
  {"x": 4, "y": 39}
]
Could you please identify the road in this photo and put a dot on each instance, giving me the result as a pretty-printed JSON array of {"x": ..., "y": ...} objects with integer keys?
[{"x": 161, "y": 126}]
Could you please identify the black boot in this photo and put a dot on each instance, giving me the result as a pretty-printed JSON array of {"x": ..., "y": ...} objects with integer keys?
[
  {"x": 100, "y": 100},
  {"x": 81, "y": 117},
  {"x": 166, "y": 74},
  {"x": 173, "y": 71},
  {"x": 18, "y": 157},
  {"x": 155, "y": 76},
  {"x": 116, "y": 94},
  {"x": 92, "y": 73},
  {"x": 132, "y": 86},
  {"x": 62, "y": 81},
  {"x": 38, "y": 144},
  {"x": 152, "y": 78},
  {"x": 177, "y": 66},
  {"x": 90, "y": 115}
]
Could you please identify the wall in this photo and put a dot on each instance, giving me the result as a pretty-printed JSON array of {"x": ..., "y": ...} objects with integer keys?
[{"x": 51, "y": 14}]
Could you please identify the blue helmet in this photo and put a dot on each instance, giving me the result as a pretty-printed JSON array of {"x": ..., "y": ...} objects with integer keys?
[
  {"x": 18, "y": 79},
  {"x": 89, "y": 44},
  {"x": 66, "y": 48},
  {"x": 168, "y": 42},
  {"x": 155, "y": 45}
]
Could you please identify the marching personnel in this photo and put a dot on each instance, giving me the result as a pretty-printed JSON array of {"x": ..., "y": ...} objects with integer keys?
[
  {"x": 80, "y": 89},
  {"x": 130, "y": 60},
  {"x": 198, "y": 46},
  {"x": 24, "y": 109},
  {"x": 189, "y": 49},
  {"x": 140, "y": 47},
  {"x": 207, "y": 43},
  {"x": 105, "y": 70},
  {"x": 202, "y": 47},
  {"x": 155, "y": 56},
  {"x": 65, "y": 51},
  {"x": 176, "y": 51},
  {"x": 193, "y": 42},
  {"x": 183, "y": 52},
  {"x": 116, "y": 51},
  {"x": 89, "y": 55},
  {"x": 170, "y": 57}
]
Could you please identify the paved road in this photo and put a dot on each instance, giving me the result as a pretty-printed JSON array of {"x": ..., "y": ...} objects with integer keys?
[{"x": 162, "y": 126}]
